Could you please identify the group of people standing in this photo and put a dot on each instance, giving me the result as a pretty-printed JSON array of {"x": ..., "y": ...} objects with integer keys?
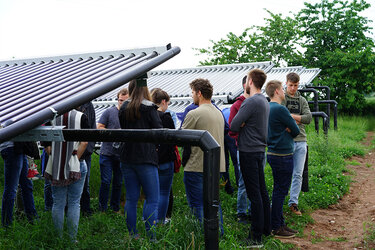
[
  {"x": 254, "y": 123},
  {"x": 277, "y": 125}
]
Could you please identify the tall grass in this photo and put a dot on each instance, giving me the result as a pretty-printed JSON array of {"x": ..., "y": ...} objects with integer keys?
[{"x": 328, "y": 182}]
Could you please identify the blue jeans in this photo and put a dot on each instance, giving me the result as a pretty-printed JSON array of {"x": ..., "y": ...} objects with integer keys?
[
  {"x": 299, "y": 157},
  {"x": 48, "y": 201},
  {"x": 194, "y": 194},
  {"x": 135, "y": 177},
  {"x": 243, "y": 203},
  {"x": 282, "y": 169},
  {"x": 230, "y": 148},
  {"x": 70, "y": 194},
  {"x": 85, "y": 197},
  {"x": 253, "y": 175},
  {"x": 15, "y": 171},
  {"x": 110, "y": 166},
  {"x": 166, "y": 171}
]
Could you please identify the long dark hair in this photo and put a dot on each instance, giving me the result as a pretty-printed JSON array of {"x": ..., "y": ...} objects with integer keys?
[{"x": 137, "y": 94}]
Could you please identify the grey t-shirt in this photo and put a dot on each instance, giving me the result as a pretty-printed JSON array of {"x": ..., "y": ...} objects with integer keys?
[
  {"x": 111, "y": 121},
  {"x": 254, "y": 112}
]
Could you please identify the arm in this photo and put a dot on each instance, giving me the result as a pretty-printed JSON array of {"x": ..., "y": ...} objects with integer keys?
[
  {"x": 232, "y": 114},
  {"x": 155, "y": 119},
  {"x": 289, "y": 122},
  {"x": 241, "y": 117},
  {"x": 81, "y": 148},
  {"x": 101, "y": 126},
  {"x": 306, "y": 116},
  {"x": 189, "y": 122},
  {"x": 186, "y": 111}
]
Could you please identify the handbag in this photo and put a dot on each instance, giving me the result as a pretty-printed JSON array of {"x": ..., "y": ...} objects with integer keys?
[{"x": 177, "y": 161}]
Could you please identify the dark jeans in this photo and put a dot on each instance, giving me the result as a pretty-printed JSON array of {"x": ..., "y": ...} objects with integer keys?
[
  {"x": 15, "y": 171},
  {"x": 110, "y": 171},
  {"x": 253, "y": 176},
  {"x": 194, "y": 194},
  {"x": 85, "y": 198},
  {"x": 282, "y": 170},
  {"x": 230, "y": 148},
  {"x": 48, "y": 200}
]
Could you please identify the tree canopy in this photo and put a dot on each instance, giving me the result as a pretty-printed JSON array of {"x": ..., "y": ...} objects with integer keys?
[{"x": 330, "y": 35}]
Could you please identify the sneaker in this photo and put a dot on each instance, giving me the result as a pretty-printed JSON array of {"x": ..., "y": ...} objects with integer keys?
[
  {"x": 243, "y": 219},
  {"x": 166, "y": 221},
  {"x": 248, "y": 243},
  {"x": 290, "y": 229},
  {"x": 33, "y": 173},
  {"x": 282, "y": 233},
  {"x": 295, "y": 210}
]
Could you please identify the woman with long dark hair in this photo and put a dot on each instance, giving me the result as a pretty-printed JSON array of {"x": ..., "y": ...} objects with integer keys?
[{"x": 139, "y": 161}]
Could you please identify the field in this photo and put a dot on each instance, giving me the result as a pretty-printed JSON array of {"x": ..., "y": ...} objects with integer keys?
[{"x": 328, "y": 182}]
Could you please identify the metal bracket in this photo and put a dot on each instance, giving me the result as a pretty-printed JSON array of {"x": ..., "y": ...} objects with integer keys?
[{"x": 42, "y": 133}]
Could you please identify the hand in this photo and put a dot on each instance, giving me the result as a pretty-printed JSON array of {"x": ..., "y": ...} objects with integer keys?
[
  {"x": 288, "y": 130},
  {"x": 297, "y": 118},
  {"x": 48, "y": 150},
  {"x": 242, "y": 125}
]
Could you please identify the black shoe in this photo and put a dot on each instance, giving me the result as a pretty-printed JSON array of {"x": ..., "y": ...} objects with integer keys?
[
  {"x": 243, "y": 219},
  {"x": 282, "y": 233},
  {"x": 229, "y": 189},
  {"x": 290, "y": 229}
]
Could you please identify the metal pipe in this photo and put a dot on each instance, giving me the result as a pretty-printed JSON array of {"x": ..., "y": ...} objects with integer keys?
[
  {"x": 15, "y": 128},
  {"x": 316, "y": 105},
  {"x": 58, "y": 88},
  {"x": 334, "y": 110},
  {"x": 328, "y": 97},
  {"x": 324, "y": 116}
]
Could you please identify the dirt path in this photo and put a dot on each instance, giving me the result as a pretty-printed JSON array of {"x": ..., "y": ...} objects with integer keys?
[{"x": 341, "y": 226}]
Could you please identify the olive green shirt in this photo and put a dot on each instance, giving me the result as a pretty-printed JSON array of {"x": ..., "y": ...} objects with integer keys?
[
  {"x": 298, "y": 105},
  {"x": 205, "y": 117}
]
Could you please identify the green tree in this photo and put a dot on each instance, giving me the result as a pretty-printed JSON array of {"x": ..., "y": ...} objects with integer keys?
[
  {"x": 330, "y": 35},
  {"x": 334, "y": 39},
  {"x": 276, "y": 41}
]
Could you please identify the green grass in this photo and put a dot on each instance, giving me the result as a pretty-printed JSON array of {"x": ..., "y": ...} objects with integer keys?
[{"x": 328, "y": 181}]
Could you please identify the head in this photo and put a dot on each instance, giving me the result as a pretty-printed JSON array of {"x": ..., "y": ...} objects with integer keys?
[
  {"x": 256, "y": 77},
  {"x": 292, "y": 83},
  {"x": 201, "y": 90},
  {"x": 245, "y": 86},
  {"x": 122, "y": 96},
  {"x": 274, "y": 89},
  {"x": 138, "y": 92},
  {"x": 160, "y": 98}
]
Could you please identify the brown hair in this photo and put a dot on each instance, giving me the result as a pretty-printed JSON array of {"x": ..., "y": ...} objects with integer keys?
[
  {"x": 158, "y": 95},
  {"x": 123, "y": 91},
  {"x": 137, "y": 94},
  {"x": 258, "y": 76},
  {"x": 204, "y": 86},
  {"x": 292, "y": 77},
  {"x": 244, "y": 80},
  {"x": 272, "y": 86}
]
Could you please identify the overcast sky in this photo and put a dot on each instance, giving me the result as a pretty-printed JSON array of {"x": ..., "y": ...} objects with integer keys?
[{"x": 38, "y": 28}]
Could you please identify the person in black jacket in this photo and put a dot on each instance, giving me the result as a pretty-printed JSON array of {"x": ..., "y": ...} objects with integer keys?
[
  {"x": 139, "y": 161},
  {"x": 89, "y": 111},
  {"x": 166, "y": 153}
]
